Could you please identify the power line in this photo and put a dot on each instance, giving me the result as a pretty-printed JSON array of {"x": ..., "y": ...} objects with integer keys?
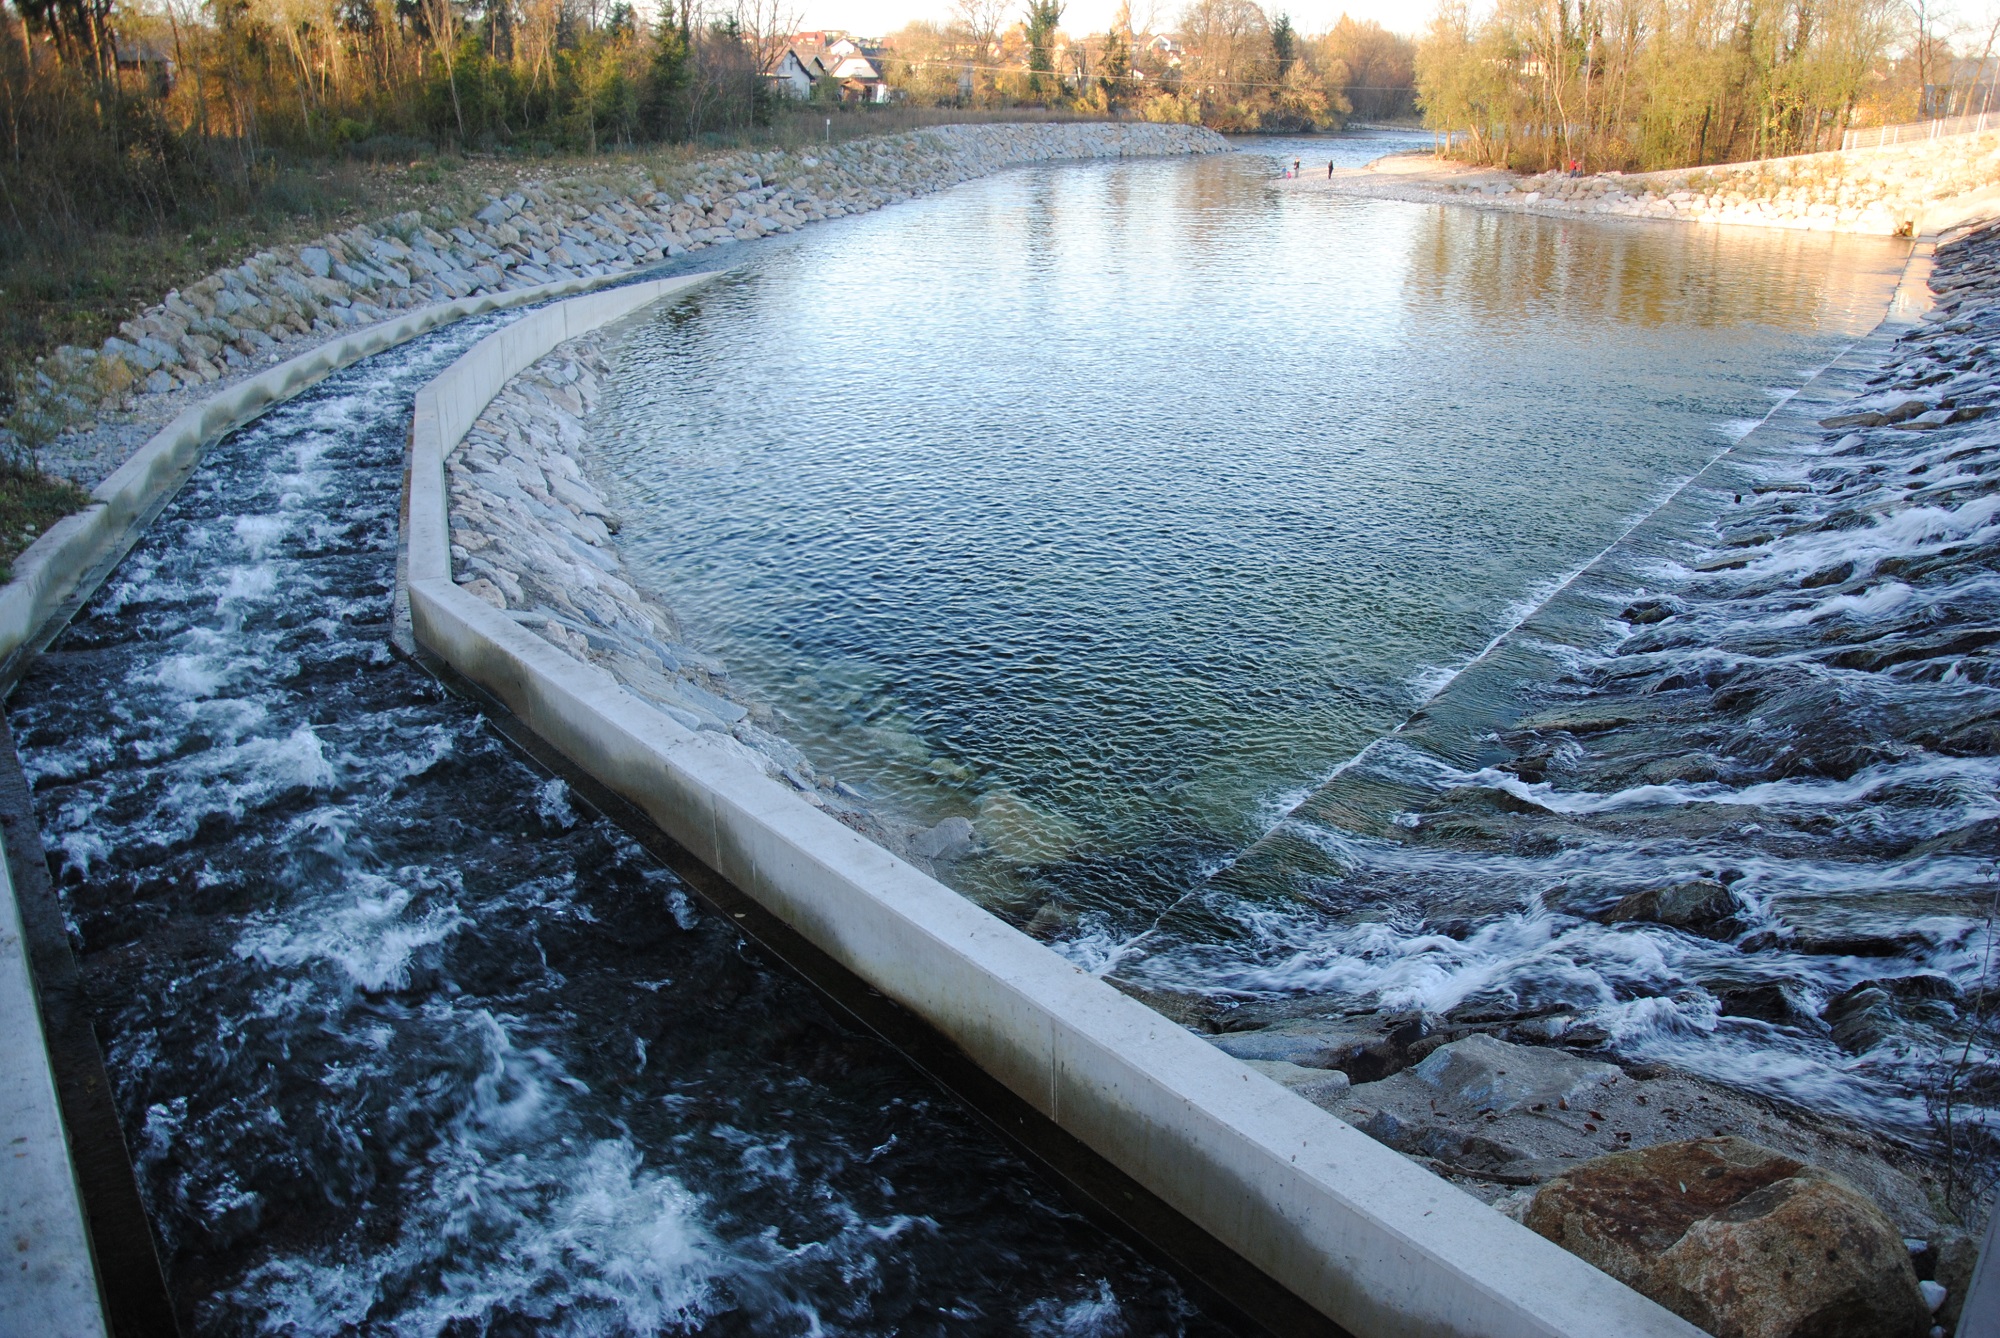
[{"x": 1184, "y": 78}]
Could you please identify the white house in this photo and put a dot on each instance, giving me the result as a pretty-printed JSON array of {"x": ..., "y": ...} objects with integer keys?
[
  {"x": 793, "y": 78},
  {"x": 857, "y": 76}
]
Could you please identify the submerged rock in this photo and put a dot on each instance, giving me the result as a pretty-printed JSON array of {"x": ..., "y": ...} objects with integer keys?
[
  {"x": 949, "y": 840},
  {"x": 1741, "y": 1240},
  {"x": 1698, "y": 904}
]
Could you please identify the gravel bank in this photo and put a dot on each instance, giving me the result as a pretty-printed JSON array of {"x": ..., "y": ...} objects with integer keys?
[{"x": 1905, "y": 189}]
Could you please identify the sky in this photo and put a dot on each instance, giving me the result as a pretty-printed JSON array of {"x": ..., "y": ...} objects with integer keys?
[{"x": 873, "y": 18}]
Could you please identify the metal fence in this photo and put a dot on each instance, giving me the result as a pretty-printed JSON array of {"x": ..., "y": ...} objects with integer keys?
[{"x": 1920, "y": 130}]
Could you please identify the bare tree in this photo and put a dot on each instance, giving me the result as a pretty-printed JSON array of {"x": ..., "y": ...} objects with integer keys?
[
  {"x": 983, "y": 19},
  {"x": 1980, "y": 73},
  {"x": 1932, "y": 48},
  {"x": 768, "y": 27}
]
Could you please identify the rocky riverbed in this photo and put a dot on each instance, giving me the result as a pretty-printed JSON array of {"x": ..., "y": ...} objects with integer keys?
[
  {"x": 1729, "y": 872},
  {"x": 96, "y": 406}
]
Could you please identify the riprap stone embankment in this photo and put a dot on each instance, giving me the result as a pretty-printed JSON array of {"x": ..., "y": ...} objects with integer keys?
[
  {"x": 279, "y": 301},
  {"x": 531, "y": 534},
  {"x": 1905, "y": 189}
]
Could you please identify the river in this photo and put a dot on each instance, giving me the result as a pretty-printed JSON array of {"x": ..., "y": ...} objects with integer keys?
[
  {"x": 1113, "y": 506},
  {"x": 1116, "y": 508}
]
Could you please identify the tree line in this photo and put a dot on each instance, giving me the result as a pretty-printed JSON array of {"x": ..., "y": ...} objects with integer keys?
[
  {"x": 128, "y": 117},
  {"x": 1227, "y": 64},
  {"x": 1649, "y": 84},
  {"x": 128, "y": 113}
]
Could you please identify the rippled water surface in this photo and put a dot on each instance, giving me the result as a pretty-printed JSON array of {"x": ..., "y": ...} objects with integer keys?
[
  {"x": 405, "y": 1043},
  {"x": 1111, "y": 506}
]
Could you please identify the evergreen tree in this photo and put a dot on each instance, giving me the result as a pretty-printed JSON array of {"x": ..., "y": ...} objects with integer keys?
[
  {"x": 662, "y": 102},
  {"x": 1115, "y": 66},
  {"x": 1043, "y": 16},
  {"x": 1284, "y": 44}
]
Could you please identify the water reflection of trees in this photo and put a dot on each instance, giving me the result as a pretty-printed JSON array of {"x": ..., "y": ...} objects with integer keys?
[{"x": 1500, "y": 266}]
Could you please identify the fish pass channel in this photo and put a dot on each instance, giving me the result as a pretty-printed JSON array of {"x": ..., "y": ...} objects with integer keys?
[{"x": 405, "y": 1043}]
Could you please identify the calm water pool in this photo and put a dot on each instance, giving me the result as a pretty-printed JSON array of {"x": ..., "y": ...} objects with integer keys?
[{"x": 1111, "y": 506}]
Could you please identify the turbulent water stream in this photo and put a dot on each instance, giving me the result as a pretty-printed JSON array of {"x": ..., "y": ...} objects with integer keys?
[
  {"x": 404, "y": 1043},
  {"x": 1728, "y": 803}
]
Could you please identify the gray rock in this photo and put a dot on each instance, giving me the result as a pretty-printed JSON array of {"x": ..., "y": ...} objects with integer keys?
[
  {"x": 1699, "y": 904},
  {"x": 949, "y": 840},
  {"x": 1321, "y": 1086},
  {"x": 317, "y": 260},
  {"x": 1308, "y": 1044},
  {"x": 1862, "y": 1018},
  {"x": 1957, "y": 1257},
  {"x": 1480, "y": 1073}
]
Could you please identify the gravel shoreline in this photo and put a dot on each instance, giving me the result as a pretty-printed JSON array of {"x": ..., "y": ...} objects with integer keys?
[{"x": 1903, "y": 190}]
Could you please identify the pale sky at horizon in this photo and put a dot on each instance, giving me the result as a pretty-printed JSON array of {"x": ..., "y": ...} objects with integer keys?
[{"x": 873, "y": 18}]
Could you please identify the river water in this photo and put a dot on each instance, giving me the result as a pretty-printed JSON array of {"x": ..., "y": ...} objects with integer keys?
[
  {"x": 1112, "y": 506},
  {"x": 404, "y": 1043},
  {"x": 1115, "y": 508}
]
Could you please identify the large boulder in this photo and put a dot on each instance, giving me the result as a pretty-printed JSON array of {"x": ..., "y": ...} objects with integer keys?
[
  {"x": 1481, "y": 1074},
  {"x": 1741, "y": 1240},
  {"x": 1699, "y": 905}
]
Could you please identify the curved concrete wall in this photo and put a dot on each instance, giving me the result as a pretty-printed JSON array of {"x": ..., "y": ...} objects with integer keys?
[
  {"x": 52, "y": 567},
  {"x": 1370, "y": 1239}
]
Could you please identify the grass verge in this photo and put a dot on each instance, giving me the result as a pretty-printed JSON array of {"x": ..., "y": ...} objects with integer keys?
[{"x": 30, "y": 502}]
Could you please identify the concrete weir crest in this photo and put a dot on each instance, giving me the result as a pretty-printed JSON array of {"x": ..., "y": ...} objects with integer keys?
[{"x": 1372, "y": 1241}]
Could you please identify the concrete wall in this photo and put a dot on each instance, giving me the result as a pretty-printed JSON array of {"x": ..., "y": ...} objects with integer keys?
[
  {"x": 51, "y": 569},
  {"x": 1370, "y": 1239},
  {"x": 47, "y": 1282}
]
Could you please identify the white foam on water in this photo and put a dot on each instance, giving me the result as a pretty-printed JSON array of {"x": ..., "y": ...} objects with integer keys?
[
  {"x": 1963, "y": 788},
  {"x": 231, "y": 779},
  {"x": 552, "y": 803},
  {"x": 1870, "y": 603},
  {"x": 1429, "y": 680},
  {"x": 371, "y": 939},
  {"x": 1640, "y": 982},
  {"x": 567, "y": 1237},
  {"x": 1094, "y": 1315}
]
